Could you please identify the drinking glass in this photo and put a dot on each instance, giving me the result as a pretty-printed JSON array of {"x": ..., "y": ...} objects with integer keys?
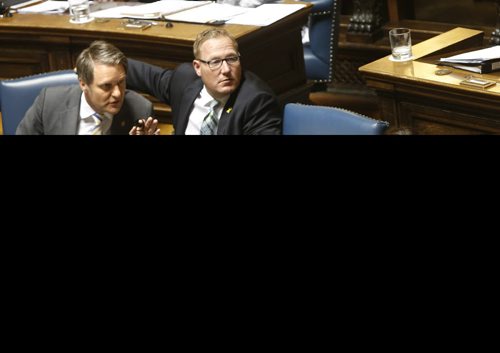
[
  {"x": 79, "y": 11},
  {"x": 400, "y": 39}
]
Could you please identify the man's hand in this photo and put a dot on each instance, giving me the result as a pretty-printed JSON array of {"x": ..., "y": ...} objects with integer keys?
[{"x": 145, "y": 127}]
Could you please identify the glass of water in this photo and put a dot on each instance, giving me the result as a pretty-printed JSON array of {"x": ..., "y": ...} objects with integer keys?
[
  {"x": 400, "y": 39},
  {"x": 79, "y": 11}
]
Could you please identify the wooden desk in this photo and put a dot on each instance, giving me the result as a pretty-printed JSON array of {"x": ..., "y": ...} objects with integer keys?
[
  {"x": 413, "y": 96},
  {"x": 34, "y": 43}
]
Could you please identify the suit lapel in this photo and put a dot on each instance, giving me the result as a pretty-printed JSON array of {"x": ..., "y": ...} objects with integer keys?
[
  {"x": 225, "y": 117},
  {"x": 186, "y": 105},
  {"x": 228, "y": 112},
  {"x": 68, "y": 119},
  {"x": 121, "y": 122}
]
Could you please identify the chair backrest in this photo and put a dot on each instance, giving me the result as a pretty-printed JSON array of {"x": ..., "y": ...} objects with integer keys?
[
  {"x": 17, "y": 95},
  {"x": 319, "y": 53},
  {"x": 300, "y": 119}
]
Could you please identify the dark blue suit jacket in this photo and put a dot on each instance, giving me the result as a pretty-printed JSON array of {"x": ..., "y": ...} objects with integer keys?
[{"x": 251, "y": 110}]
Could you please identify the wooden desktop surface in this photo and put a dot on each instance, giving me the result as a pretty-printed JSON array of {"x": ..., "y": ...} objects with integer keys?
[
  {"x": 35, "y": 43},
  {"x": 413, "y": 96},
  {"x": 59, "y": 24}
]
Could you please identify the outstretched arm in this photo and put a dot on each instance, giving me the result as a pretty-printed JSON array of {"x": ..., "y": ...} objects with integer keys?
[{"x": 149, "y": 79}]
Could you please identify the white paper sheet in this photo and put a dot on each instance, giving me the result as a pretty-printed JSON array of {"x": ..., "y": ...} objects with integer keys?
[
  {"x": 46, "y": 7},
  {"x": 25, "y": 3},
  {"x": 159, "y": 8},
  {"x": 112, "y": 12},
  {"x": 266, "y": 14},
  {"x": 203, "y": 12},
  {"x": 476, "y": 56},
  {"x": 208, "y": 13}
]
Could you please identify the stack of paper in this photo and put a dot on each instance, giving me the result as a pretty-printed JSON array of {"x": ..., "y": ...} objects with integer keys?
[
  {"x": 266, "y": 14},
  {"x": 480, "y": 61},
  {"x": 212, "y": 13},
  {"x": 152, "y": 10},
  {"x": 203, "y": 12},
  {"x": 46, "y": 7},
  {"x": 17, "y": 4}
]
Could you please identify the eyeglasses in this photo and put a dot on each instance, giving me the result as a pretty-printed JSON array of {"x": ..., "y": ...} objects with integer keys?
[{"x": 217, "y": 63}]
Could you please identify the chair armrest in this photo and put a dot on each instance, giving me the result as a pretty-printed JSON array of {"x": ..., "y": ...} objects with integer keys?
[{"x": 320, "y": 6}]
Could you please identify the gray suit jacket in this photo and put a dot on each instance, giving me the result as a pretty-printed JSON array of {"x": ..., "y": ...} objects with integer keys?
[{"x": 56, "y": 111}]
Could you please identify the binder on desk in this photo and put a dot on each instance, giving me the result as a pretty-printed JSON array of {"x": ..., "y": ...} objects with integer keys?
[
  {"x": 480, "y": 61},
  {"x": 482, "y": 68}
]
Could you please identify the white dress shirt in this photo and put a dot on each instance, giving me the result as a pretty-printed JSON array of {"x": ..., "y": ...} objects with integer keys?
[
  {"x": 88, "y": 121},
  {"x": 201, "y": 108}
]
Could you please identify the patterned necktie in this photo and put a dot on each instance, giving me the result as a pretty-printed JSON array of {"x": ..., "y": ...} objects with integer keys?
[
  {"x": 97, "y": 130},
  {"x": 209, "y": 124}
]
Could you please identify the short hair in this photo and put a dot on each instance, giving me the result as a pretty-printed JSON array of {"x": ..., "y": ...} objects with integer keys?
[
  {"x": 210, "y": 34},
  {"x": 99, "y": 52}
]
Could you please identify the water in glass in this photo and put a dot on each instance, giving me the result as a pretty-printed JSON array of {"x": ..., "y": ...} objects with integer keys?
[
  {"x": 401, "y": 53},
  {"x": 79, "y": 11}
]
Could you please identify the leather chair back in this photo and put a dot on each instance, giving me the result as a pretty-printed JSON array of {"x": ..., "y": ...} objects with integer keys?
[
  {"x": 300, "y": 119},
  {"x": 17, "y": 95},
  {"x": 319, "y": 53}
]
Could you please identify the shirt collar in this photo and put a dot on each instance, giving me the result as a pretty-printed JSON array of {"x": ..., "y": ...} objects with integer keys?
[
  {"x": 206, "y": 98},
  {"x": 86, "y": 110}
]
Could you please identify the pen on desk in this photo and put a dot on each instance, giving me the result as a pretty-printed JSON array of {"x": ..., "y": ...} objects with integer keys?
[
  {"x": 141, "y": 22},
  {"x": 216, "y": 22},
  {"x": 141, "y": 26}
]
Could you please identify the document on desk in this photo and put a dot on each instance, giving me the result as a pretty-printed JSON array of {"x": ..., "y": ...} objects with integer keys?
[
  {"x": 20, "y": 4},
  {"x": 112, "y": 12},
  {"x": 46, "y": 7},
  {"x": 265, "y": 14},
  {"x": 212, "y": 13},
  {"x": 203, "y": 12},
  {"x": 480, "y": 61},
  {"x": 152, "y": 10}
]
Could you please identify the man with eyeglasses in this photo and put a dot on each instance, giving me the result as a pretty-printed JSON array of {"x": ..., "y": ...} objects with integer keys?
[{"x": 211, "y": 95}]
